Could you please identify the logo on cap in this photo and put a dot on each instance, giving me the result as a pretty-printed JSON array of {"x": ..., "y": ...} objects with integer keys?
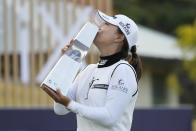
[
  {"x": 126, "y": 27},
  {"x": 114, "y": 17},
  {"x": 105, "y": 17}
]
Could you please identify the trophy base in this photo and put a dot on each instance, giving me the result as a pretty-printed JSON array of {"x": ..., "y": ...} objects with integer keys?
[{"x": 44, "y": 85}]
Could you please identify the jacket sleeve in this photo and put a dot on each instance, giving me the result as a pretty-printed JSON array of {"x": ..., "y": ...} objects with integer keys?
[{"x": 120, "y": 92}]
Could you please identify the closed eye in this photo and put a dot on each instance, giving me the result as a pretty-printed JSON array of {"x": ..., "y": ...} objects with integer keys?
[{"x": 107, "y": 23}]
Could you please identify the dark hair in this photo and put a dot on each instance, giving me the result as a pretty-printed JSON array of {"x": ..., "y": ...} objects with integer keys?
[{"x": 134, "y": 59}]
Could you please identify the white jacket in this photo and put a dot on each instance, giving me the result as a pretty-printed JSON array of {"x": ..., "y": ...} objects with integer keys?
[{"x": 103, "y": 98}]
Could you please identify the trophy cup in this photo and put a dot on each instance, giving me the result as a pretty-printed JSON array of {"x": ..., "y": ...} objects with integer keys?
[{"x": 63, "y": 73}]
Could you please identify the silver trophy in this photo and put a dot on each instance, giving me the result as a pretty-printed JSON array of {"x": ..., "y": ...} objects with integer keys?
[{"x": 65, "y": 70}]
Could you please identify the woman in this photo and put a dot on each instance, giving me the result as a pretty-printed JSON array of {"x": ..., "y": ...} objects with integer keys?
[{"x": 103, "y": 95}]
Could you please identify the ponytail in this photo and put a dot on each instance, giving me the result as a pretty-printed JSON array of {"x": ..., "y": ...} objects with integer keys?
[
  {"x": 134, "y": 59},
  {"x": 136, "y": 62}
]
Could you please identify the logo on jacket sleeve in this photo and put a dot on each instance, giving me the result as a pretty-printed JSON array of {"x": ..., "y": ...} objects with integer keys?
[{"x": 120, "y": 86}]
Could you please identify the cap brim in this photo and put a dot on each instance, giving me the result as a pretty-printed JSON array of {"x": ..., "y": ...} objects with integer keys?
[{"x": 100, "y": 18}]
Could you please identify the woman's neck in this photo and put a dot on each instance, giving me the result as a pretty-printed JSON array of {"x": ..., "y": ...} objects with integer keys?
[
  {"x": 109, "y": 60},
  {"x": 109, "y": 51}
]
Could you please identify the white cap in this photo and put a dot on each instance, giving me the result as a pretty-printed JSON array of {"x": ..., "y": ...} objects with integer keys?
[{"x": 126, "y": 25}]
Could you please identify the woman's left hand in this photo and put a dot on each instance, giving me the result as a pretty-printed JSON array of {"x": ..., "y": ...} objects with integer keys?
[{"x": 58, "y": 96}]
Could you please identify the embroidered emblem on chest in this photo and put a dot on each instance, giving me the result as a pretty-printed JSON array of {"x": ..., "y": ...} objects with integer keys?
[
  {"x": 90, "y": 84},
  {"x": 92, "y": 81}
]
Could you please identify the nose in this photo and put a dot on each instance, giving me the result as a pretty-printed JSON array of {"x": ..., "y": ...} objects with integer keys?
[{"x": 99, "y": 26}]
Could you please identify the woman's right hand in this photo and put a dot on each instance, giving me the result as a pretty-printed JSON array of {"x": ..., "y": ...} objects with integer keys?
[
  {"x": 56, "y": 96},
  {"x": 67, "y": 46}
]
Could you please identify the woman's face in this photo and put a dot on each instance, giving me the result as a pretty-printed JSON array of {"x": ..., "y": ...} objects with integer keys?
[{"x": 107, "y": 35}]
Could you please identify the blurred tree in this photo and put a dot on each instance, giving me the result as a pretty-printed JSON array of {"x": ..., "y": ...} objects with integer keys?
[
  {"x": 162, "y": 15},
  {"x": 186, "y": 35}
]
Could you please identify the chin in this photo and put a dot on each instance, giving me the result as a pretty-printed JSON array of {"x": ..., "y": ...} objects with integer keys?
[
  {"x": 96, "y": 43},
  {"x": 96, "y": 40}
]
